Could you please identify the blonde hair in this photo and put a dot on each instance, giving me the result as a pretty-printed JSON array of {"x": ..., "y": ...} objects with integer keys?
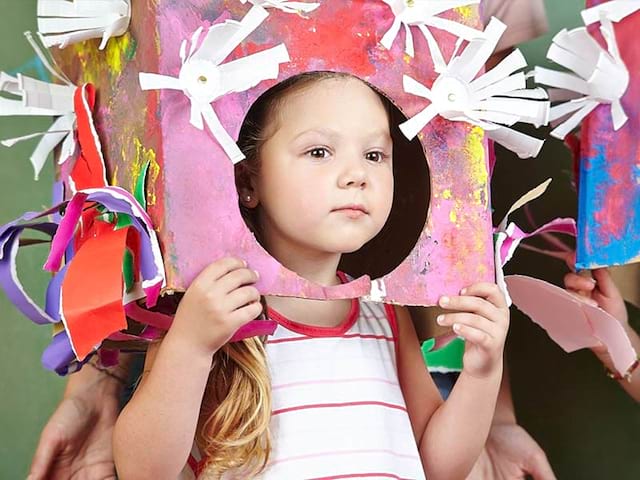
[
  {"x": 234, "y": 422},
  {"x": 233, "y": 432}
]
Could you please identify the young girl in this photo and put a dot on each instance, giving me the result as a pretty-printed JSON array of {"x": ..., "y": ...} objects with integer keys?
[{"x": 340, "y": 390}]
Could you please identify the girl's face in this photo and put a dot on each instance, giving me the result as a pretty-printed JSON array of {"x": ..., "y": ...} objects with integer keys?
[{"x": 326, "y": 175}]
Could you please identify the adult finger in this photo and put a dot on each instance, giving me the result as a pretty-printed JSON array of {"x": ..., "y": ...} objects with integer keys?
[
  {"x": 605, "y": 282},
  {"x": 579, "y": 283},
  {"x": 537, "y": 465},
  {"x": 47, "y": 450},
  {"x": 583, "y": 299}
]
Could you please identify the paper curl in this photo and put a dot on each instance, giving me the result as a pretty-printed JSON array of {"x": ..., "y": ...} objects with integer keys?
[
  {"x": 424, "y": 14},
  {"x": 204, "y": 78},
  {"x": 596, "y": 77},
  {"x": 493, "y": 101},
  {"x": 508, "y": 236},
  {"x": 63, "y": 22}
]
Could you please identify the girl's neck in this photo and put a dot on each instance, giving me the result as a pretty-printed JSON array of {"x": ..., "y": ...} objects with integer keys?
[{"x": 317, "y": 267}]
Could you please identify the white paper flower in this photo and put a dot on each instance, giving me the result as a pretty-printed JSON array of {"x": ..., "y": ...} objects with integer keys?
[
  {"x": 493, "y": 101},
  {"x": 204, "y": 78},
  {"x": 615, "y": 11},
  {"x": 63, "y": 22},
  {"x": 424, "y": 14},
  {"x": 596, "y": 76},
  {"x": 285, "y": 6},
  {"x": 27, "y": 96}
]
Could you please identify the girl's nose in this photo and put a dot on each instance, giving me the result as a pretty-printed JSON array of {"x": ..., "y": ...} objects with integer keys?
[{"x": 353, "y": 175}]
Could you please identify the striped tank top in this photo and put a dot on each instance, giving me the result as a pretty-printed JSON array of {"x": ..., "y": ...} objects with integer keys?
[{"x": 337, "y": 408}]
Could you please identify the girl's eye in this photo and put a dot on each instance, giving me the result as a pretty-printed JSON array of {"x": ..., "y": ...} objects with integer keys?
[
  {"x": 318, "y": 152},
  {"x": 376, "y": 157}
]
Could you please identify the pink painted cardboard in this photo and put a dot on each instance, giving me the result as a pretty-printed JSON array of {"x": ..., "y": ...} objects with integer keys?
[{"x": 191, "y": 193}]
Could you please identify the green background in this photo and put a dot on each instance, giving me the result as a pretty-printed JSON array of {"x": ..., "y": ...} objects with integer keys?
[{"x": 586, "y": 424}]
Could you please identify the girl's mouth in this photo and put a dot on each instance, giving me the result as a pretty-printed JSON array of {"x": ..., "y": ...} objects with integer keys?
[{"x": 352, "y": 211}]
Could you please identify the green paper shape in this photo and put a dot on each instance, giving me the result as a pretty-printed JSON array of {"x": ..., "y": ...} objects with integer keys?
[{"x": 446, "y": 359}]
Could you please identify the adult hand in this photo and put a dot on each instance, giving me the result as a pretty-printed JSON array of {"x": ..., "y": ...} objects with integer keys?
[
  {"x": 76, "y": 441},
  {"x": 511, "y": 453}
]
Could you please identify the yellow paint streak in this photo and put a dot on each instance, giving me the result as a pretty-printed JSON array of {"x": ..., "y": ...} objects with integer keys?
[
  {"x": 140, "y": 157},
  {"x": 116, "y": 52},
  {"x": 446, "y": 194},
  {"x": 477, "y": 168},
  {"x": 467, "y": 13},
  {"x": 453, "y": 216},
  {"x": 88, "y": 61}
]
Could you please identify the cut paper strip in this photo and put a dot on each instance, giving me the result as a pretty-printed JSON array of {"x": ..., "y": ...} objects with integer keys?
[
  {"x": 37, "y": 98},
  {"x": 114, "y": 200},
  {"x": 443, "y": 354},
  {"x": 598, "y": 76},
  {"x": 571, "y": 323},
  {"x": 92, "y": 290},
  {"x": 424, "y": 14},
  {"x": 493, "y": 101},
  {"x": 255, "y": 328},
  {"x": 59, "y": 357},
  {"x": 89, "y": 167},
  {"x": 285, "y": 6},
  {"x": 63, "y": 22},
  {"x": 204, "y": 78},
  {"x": 9, "y": 244},
  {"x": 615, "y": 11},
  {"x": 508, "y": 236}
]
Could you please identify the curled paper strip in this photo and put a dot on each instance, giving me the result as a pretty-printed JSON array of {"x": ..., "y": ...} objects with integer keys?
[
  {"x": 9, "y": 243},
  {"x": 285, "y": 6},
  {"x": 507, "y": 235},
  {"x": 115, "y": 200},
  {"x": 90, "y": 284},
  {"x": 204, "y": 78},
  {"x": 63, "y": 22},
  {"x": 596, "y": 75},
  {"x": 493, "y": 101},
  {"x": 424, "y": 14},
  {"x": 614, "y": 11}
]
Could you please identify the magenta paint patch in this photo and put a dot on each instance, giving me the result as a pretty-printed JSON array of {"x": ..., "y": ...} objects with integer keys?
[{"x": 191, "y": 190}]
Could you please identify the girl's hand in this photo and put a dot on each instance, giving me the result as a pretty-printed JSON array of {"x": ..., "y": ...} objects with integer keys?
[
  {"x": 219, "y": 301},
  {"x": 482, "y": 319}
]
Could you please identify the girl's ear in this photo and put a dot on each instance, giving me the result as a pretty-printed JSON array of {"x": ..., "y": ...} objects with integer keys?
[
  {"x": 248, "y": 197},
  {"x": 246, "y": 189}
]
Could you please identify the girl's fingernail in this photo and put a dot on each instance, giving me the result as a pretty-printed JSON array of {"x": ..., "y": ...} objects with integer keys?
[
  {"x": 463, "y": 291},
  {"x": 257, "y": 273},
  {"x": 456, "y": 328},
  {"x": 444, "y": 301},
  {"x": 440, "y": 319}
]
